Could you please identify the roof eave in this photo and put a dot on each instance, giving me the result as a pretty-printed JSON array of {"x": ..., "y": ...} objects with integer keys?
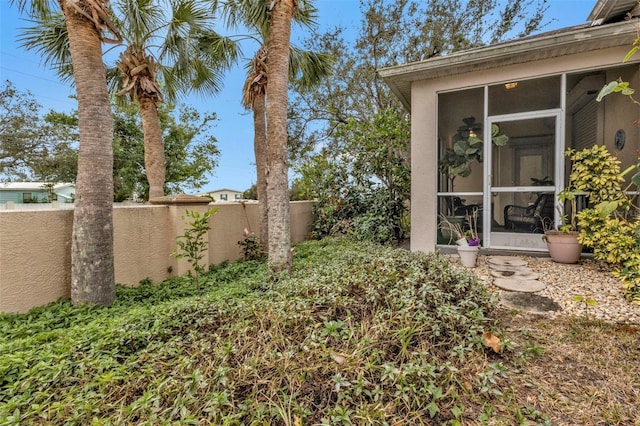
[{"x": 544, "y": 46}]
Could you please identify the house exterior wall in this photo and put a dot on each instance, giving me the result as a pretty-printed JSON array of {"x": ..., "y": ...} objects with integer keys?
[
  {"x": 67, "y": 193},
  {"x": 231, "y": 195},
  {"x": 13, "y": 196},
  {"x": 621, "y": 113},
  {"x": 35, "y": 250},
  {"x": 424, "y": 128},
  {"x": 38, "y": 194}
]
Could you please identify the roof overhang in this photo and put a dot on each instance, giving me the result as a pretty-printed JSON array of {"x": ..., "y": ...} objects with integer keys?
[
  {"x": 569, "y": 41},
  {"x": 609, "y": 10}
]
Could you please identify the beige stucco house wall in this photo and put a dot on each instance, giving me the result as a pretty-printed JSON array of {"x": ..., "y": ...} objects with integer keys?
[{"x": 572, "y": 50}]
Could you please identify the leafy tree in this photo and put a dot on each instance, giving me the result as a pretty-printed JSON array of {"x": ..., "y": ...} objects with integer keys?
[
  {"x": 60, "y": 162},
  {"x": 338, "y": 120},
  {"x": 20, "y": 124},
  {"x": 189, "y": 147},
  {"x": 33, "y": 147},
  {"x": 251, "y": 193},
  {"x": 88, "y": 25}
]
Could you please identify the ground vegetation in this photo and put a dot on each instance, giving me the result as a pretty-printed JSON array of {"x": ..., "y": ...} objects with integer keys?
[{"x": 357, "y": 334}]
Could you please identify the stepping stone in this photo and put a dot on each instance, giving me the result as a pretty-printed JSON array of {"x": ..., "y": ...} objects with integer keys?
[
  {"x": 529, "y": 302},
  {"x": 521, "y": 275},
  {"x": 507, "y": 268},
  {"x": 506, "y": 261},
  {"x": 525, "y": 286}
]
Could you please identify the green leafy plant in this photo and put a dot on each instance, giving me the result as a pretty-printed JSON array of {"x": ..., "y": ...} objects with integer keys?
[
  {"x": 251, "y": 248},
  {"x": 467, "y": 148},
  {"x": 611, "y": 227},
  {"x": 587, "y": 302},
  {"x": 358, "y": 329},
  {"x": 192, "y": 243}
]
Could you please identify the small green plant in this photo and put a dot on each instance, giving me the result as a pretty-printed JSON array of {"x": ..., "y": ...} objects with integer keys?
[
  {"x": 192, "y": 243},
  {"x": 251, "y": 248},
  {"x": 587, "y": 301}
]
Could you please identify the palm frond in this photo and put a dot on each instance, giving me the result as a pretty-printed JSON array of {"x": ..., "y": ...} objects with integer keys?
[
  {"x": 36, "y": 8},
  {"x": 49, "y": 39},
  {"x": 307, "y": 68},
  {"x": 250, "y": 13},
  {"x": 138, "y": 19}
]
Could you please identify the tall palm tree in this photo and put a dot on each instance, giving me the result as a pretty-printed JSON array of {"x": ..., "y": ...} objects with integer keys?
[
  {"x": 305, "y": 69},
  {"x": 278, "y": 45},
  {"x": 253, "y": 97},
  {"x": 87, "y": 23},
  {"x": 173, "y": 45}
]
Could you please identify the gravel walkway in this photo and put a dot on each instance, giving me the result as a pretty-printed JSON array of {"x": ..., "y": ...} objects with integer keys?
[{"x": 587, "y": 278}]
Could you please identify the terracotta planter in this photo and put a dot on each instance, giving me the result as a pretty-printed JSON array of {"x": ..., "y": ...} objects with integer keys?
[
  {"x": 468, "y": 255},
  {"x": 563, "y": 246}
]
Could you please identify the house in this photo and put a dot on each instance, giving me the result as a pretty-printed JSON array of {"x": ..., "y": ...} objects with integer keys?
[
  {"x": 36, "y": 192},
  {"x": 540, "y": 92},
  {"x": 223, "y": 194}
]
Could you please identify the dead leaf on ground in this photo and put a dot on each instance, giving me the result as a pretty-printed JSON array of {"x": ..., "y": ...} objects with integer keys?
[{"x": 492, "y": 341}]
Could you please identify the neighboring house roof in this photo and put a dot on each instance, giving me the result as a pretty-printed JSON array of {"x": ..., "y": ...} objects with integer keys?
[
  {"x": 31, "y": 186},
  {"x": 553, "y": 44},
  {"x": 221, "y": 190}
]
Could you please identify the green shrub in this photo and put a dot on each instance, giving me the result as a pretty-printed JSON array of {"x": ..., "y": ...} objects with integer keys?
[
  {"x": 364, "y": 213},
  {"x": 611, "y": 227},
  {"x": 356, "y": 334}
]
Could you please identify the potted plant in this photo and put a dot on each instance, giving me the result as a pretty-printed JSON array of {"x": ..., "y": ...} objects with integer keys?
[
  {"x": 562, "y": 241},
  {"x": 467, "y": 241}
]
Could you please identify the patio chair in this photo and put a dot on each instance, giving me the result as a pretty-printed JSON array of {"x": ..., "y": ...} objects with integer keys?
[
  {"x": 530, "y": 218},
  {"x": 457, "y": 207}
]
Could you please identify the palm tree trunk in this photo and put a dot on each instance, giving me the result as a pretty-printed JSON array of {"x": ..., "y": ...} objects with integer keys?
[
  {"x": 92, "y": 271},
  {"x": 154, "y": 161},
  {"x": 277, "y": 173},
  {"x": 260, "y": 151}
]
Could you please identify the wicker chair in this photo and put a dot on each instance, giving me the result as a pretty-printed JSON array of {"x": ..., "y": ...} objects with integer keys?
[{"x": 530, "y": 219}]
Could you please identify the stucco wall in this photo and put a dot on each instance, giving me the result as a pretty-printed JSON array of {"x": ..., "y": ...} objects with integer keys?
[
  {"x": 621, "y": 113},
  {"x": 35, "y": 258},
  {"x": 424, "y": 101},
  {"x": 143, "y": 239},
  {"x": 35, "y": 246}
]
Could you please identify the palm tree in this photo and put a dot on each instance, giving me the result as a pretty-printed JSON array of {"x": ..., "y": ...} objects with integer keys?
[
  {"x": 305, "y": 68},
  {"x": 189, "y": 56},
  {"x": 253, "y": 97},
  {"x": 92, "y": 272},
  {"x": 278, "y": 45}
]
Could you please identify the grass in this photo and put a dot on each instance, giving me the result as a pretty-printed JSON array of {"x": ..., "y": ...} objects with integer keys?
[{"x": 357, "y": 334}]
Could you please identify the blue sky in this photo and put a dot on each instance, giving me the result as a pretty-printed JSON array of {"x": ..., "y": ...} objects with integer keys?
[{"x": 234, "y": 127}]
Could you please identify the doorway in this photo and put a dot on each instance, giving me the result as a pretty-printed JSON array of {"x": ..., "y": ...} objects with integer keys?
[{"x": 521, "y": 191}]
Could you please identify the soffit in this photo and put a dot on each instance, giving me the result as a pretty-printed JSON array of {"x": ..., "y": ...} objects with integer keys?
[
  {"x": 568, "y": 41},
  {"x": 611, "y": 10}
]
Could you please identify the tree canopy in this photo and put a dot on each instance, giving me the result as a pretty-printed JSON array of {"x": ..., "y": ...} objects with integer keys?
[
  {"x": 352, "y": 126},
  {"x": 45, "y": 147}
]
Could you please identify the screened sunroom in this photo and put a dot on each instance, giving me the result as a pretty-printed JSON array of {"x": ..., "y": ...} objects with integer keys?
[{"x": 490, "y": 127}]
